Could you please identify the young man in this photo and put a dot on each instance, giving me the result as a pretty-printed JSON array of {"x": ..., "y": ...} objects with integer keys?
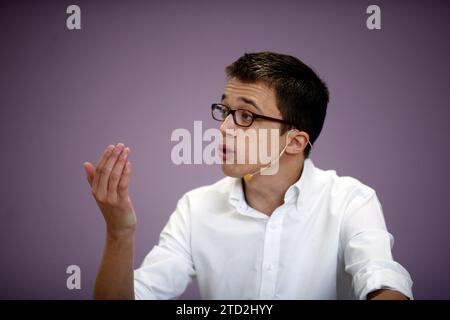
[{"x": 300, "y": 233}]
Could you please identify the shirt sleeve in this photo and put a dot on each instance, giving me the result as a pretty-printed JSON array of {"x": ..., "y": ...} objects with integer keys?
[
  {"x": 168, "y": 268},
  {"x": 367, "y": 249}
]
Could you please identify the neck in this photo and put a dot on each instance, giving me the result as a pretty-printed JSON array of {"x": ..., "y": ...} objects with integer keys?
[{"x": 265, "y": 193}]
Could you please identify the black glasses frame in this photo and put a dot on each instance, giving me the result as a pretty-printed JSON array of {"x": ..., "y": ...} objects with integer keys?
[{"x": 254, "y": 115}]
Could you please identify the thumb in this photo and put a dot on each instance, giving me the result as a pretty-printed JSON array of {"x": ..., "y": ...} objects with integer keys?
[{"x": 90, "y": 170}]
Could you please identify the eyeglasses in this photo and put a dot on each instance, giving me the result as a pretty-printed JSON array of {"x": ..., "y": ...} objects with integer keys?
[{"x": 241, "y": 117}]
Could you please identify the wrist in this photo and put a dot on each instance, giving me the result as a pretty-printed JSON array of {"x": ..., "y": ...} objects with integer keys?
[{"x": 120, "y": 235}]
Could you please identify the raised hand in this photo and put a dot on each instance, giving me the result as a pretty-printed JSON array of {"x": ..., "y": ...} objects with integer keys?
[{"x": 109, "y": 181}]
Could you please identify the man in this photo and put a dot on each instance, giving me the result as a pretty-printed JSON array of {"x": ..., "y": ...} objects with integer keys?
[{"x": 299, "y": 233}]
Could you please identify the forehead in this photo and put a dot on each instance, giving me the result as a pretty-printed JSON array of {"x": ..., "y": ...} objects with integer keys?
[{"x": 257, "y": 91}]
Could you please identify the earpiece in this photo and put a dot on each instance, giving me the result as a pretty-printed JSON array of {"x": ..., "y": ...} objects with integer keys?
[{"x": 249, "y": 176}]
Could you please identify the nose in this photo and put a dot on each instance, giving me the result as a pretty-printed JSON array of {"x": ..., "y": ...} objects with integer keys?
[{"x": 228, "y": 123}]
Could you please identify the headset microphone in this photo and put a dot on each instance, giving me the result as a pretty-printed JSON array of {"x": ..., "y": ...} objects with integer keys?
[{"x": 249, "y": 176}]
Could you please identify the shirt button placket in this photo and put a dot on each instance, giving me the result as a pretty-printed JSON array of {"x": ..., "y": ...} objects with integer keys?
[{"x": 270, "y": 256}]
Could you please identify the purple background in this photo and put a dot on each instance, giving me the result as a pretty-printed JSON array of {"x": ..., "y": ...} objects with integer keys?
[{"x": 138, "y": 70}]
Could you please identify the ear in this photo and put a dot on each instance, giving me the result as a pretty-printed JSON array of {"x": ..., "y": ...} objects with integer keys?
[{"x": 297, "y": 142}]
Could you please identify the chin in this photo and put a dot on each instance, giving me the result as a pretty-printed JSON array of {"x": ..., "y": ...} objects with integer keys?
[
  {"x": 231, "y": 170},
  {"x": 237, "y": 170}
]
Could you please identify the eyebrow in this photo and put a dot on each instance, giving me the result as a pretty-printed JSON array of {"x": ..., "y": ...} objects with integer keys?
[{"x": 245, "y": 100}]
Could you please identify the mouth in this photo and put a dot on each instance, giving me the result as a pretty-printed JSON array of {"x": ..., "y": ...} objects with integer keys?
[{"x": 225, "y": 151}]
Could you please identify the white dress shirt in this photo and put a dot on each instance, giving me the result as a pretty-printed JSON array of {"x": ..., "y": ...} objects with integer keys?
[{"x": 327, "y": 241}]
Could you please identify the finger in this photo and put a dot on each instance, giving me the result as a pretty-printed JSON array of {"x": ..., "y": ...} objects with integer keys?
[
  {"x": 90, "y": 172},
  {"x": 116, "y": 172},
  {"x": 105, "y": 171},
  {"x": 124, "y": 181},
  {"x": 99, "y": 165}
]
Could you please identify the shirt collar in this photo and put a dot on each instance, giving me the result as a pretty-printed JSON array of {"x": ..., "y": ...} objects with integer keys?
[
  {"x": 300, "y": 191},
  {"x": 304, "y": 185}
]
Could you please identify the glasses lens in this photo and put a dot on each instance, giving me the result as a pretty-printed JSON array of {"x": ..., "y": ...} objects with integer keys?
[
  {"x": 244, "y": 118},
  {"x": 219, "y": 112}
]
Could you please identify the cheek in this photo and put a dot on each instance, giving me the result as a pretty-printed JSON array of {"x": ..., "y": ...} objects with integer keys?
[
  {"x": 247, "y": 150},
  {"x": 258, "y": 148},
  {"x": 273, "y": 146},
  {"x": 268, "y": 145}
]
